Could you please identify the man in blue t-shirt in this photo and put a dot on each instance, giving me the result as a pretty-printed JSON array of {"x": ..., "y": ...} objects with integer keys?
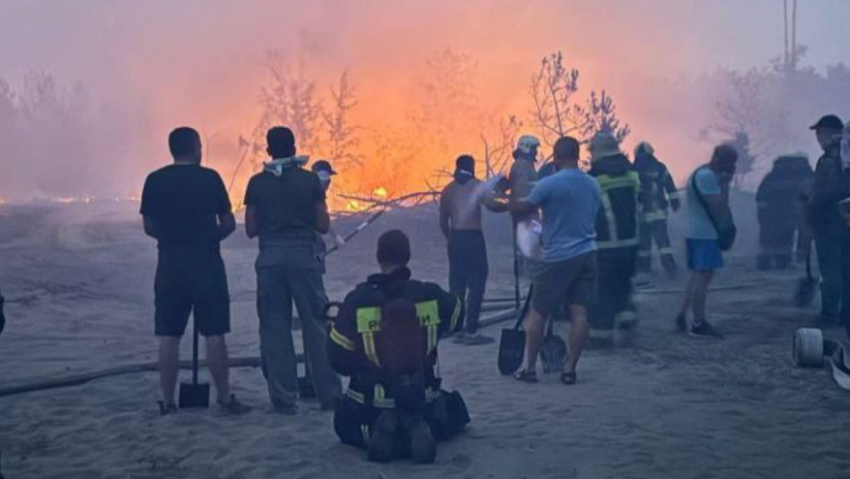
[
  {"x": 708, "y": 210},
  {"x": 566, "y": 276}
]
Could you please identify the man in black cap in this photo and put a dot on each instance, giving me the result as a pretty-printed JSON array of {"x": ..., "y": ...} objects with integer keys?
[
  {"x": 832, "y": 237},
  {"x": 460, "y": 221}
]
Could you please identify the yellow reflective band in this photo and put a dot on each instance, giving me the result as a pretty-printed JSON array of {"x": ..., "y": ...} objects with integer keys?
[
  {"x": 368, "y": 320},
  {"x": 609, "y": 216},
  {"x": 432, "y": 338},
  {"x": 674, "y": 195},
  {"x": 654, "y": 216},
  {"x": 666, "y": 250},
  {"x": 429, "y": 316},
  {"x": 428, "y": 313},
  {"x": 369, "y": 347},
  {"x": 341, "y": 340},
  {"x": 644, "y": 253},
  {"x": 356, "y": 396},
  {"x": 630, "y": 180},
  {"x": 456, "y": 314},
  {"x": 364, "y": 429},
  {"x": 380, "y": 398}
]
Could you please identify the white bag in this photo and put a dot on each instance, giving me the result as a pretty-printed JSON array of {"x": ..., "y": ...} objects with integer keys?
[{"x": 528, "y": 237}]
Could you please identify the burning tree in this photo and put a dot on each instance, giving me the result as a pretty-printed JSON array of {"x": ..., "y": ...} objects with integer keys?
[
  {"x": 556, "y": 113},
  {"x": 448, "y": 112},
  {"x": 291, "y": 100},
  {"x": 343, "y": 140},
  {"x": 498, "y": 152}
]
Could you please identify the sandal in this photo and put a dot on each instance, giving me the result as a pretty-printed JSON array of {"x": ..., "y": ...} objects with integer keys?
[
  {"x": 526, "y": 376},
  {"x": 568, "y": 378}
]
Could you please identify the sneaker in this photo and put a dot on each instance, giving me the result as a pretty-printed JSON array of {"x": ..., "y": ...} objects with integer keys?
[
  {"x": 423, "y": 446},
  {"x": 459, "y": 337},
  {"x": 233, "y": 406},
  {"x": 681, "y": 323},
  {"x": 476, "y": 340},
  {"x": 381, "y": 445},
  {"x": 704, "y": 330}
]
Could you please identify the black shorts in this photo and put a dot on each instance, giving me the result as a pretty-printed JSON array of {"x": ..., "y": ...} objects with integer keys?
[
  {"x": 571, "y": 282},
  {"x": 191, "y": 284}
]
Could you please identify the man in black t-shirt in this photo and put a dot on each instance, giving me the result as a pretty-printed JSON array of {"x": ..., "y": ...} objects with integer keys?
[
  {"x": 186, "y": 209},
  {"x": 285, "y": 208}
]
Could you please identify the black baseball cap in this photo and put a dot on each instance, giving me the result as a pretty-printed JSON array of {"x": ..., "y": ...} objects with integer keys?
[
  {"x": 830, "y": 122},
  {"x": 323, "y": 165}
]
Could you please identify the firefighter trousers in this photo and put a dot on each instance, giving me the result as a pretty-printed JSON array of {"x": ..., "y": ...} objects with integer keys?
[{"x": 655, "y": 231}]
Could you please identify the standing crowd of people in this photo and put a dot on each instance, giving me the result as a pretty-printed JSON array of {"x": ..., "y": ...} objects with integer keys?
[{"x": 597, "y": 227}]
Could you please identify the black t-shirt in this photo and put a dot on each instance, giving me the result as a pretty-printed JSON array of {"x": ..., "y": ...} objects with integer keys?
[
  {"x": 185, "y": 201},
  {"x": 285, "y": 205}
]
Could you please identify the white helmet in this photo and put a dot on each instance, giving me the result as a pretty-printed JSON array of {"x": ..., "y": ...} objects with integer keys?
[{"x": 527, "y": 145}]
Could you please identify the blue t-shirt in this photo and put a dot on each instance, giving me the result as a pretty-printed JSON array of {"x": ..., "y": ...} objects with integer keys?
[
  {"x": 699, "y": 224},
  {"x": 569, "y": 200}
]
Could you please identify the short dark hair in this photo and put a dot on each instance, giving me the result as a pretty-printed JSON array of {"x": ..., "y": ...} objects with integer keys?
[
  {"x": 394, "y": 248},
  {"x": 466, "y": 163},
  {"x": 566, "y": 148},
  {"x": 724, "y": 154},
  {"x": 281, "y": 142},
  {"x": 183, "y": 142}
]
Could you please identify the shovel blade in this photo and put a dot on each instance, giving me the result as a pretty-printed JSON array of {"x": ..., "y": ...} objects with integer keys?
[
  {"x": 194, "y": 395},
  {"x": 511, "y": 351}
]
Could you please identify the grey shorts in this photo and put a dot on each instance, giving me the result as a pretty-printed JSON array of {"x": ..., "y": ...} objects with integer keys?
[{"x": 571, "y": 282}]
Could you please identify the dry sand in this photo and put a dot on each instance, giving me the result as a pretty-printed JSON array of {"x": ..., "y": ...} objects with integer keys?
[{"x": 78, "y": 281}]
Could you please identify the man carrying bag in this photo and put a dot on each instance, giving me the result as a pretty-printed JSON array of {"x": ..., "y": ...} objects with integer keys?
[{"x": 711, "y": 231}]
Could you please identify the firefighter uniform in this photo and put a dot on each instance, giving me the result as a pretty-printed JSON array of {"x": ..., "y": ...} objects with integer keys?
[
  {"x": 617, "y": 240},
  {"x": 658, "y": 193},
  {"x": 780, "y": 212},
  {"x": 361, "y": 348}
]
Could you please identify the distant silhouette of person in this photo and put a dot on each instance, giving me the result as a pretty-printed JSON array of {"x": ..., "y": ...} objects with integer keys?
[
  {"x": 286, "y": 209},
  {"x": 186, "y": 209}
]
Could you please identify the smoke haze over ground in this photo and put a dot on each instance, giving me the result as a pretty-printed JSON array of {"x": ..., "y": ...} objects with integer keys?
[{"x": 131, "y": 71}]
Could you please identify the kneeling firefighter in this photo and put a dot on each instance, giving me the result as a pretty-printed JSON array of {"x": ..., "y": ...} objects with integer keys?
[
  {"x": 385, "y": 339},
  {"x": 617, "y": 239}
]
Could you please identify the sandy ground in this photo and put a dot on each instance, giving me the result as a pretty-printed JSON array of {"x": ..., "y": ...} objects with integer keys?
[{"x": 78, "y": 281}]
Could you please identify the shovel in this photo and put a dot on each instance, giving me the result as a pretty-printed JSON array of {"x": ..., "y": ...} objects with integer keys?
[
  {"x": 194, "y": 394},
  {"x": 806, "y": 289},
  {"x": 512, "y": 342}
]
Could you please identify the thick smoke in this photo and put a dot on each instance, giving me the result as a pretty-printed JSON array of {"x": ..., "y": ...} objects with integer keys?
[{"x": 125, "y": 73}]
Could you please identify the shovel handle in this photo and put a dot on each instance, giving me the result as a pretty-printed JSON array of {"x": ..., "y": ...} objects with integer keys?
[{"x": 195, "y": 352}]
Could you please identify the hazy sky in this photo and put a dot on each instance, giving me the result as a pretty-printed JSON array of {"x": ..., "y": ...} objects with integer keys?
[{"x": 200, "y": 62}]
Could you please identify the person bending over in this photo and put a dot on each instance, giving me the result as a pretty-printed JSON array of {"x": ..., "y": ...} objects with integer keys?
[
  {"x": 708, "y": 211},
  {"x": 186, "y": 209},
  {"x": 385, "y": 339}
]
